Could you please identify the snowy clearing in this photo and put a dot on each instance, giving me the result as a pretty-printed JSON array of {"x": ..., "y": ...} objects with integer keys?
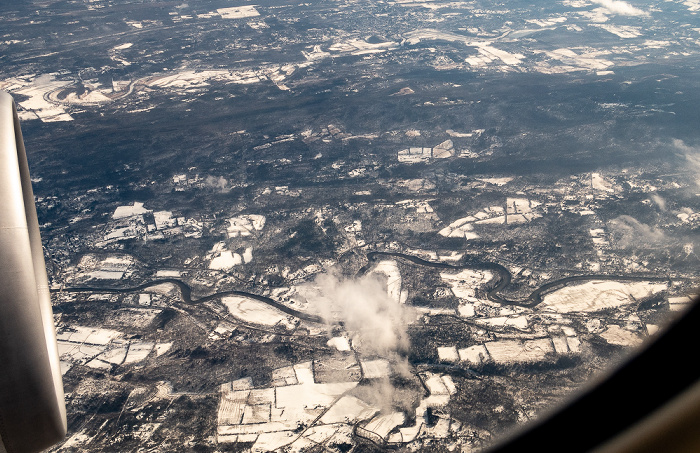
[
  {"x": 598, "y": 295},
  {"x": 253, "y": 311}
]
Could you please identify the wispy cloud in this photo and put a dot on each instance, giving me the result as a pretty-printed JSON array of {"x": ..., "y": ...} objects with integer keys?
[
  {"x": 630, "y": 232},
  {"x": 362, "y": 305},
  {"x": 660, "y": 202},
  {"x": 621, "y": 8},
  {"x": 219, "y": 184},
  {"x": 378, "y": 327},
  {"x": 692, "y": 158}
]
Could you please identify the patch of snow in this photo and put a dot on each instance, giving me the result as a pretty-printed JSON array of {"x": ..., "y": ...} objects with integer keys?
[
  {"x": 340, "y": 343},
  {"x": 375, "y": 369},
  {"x": 617, "y": 335},
  {"x": 253, "y": 311},
  {"x": 238, "y": 12},
  {"x": 597, "y": 295},
  {"x": 129, "y": 211},
  {"x": 448, "y": 354}
]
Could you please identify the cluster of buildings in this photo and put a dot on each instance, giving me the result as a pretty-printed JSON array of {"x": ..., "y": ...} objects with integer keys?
[{"x": 137, "y": 222}]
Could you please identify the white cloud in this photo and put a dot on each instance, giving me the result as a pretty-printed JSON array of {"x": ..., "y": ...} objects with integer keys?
[
  {"x": 621, "y": 8},
  {"x": 630, "y": 232},
  {"x": 378, "y": 327},
  {"x": 219, "y": 184},
  {"x": 660, "y": 202},
  {"x": 378, "y": 323},
  {"x": 692, "y": 157}
]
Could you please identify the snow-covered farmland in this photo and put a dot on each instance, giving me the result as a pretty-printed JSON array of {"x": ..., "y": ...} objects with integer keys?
[
  {"x": 128, "y": 211},
  {"x": 89, "y": 335},
  {"x": 519, "y": 322},
  {"x": 255, "y": 311},
  {"x": 101, "y": 348},
  {"x": 245, "y": 225},
  {"x": 187, "y": 80},
  {"x": 224, "y": 259},
  {"x": 297, "y": 412},
  {"x": 496, "y": 181},
  {"x": 679, "y": 303},
  {"x": 415, "y": 155},
  {"x": 576, "y": 62},
  {"x": 488, "y": 53},
  {"x": 517, "y": 211},
  {"x": 273, "y": 413},
  {"x": 509, "y": 351},
  {"x": 461, "y": 228},
  {"x": 340, "y": 343},
  {"x": 36, "y": 88},
  {"x": 619, "y": 336},
  {"x": 474, "y": 354},
  {"x": 238, "y": 12},
  {"x": 598, "y": 295},
  {"x": 448, "y": 354},
  {"x": 390, "y": 269},
  {"x": 361, "y": 47},
  {"x": 514, "y": 351},
  {"x": 375, "y": 369},
  {"x": 465, "y": 282}
]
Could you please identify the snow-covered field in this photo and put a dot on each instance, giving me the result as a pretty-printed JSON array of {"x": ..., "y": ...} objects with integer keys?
[
  {"x": 340, "y": 343},
  {"x": 415, "y": 155},
  {"x": 513, "y": 351},
  {"x": 101, "y": 348},
  {"x": 509, "y": 351},
  {"x": 36, "y": 87},
  {"x": 390, "y": 269},
  {"x": 448, "y": 354},
  {"x": 598, "y": 295},
  {"x": 254, "y": 311},
  {"x": 129, "y": 211},
  {"x": 497, "y": 181},
  {"x": 517, "y": 210},
  {"x": 519, "y": 322},
  {"x": 238, "y": 12},
  {"x": 619, "y": 336},
  {"x": 226, "y": 260},
  {"x": 474, "y": 354},
  {"x": 465, "y": 282},
  {"x": 375, "y": 369},
  {"x": 187, "y": 79},
  {"x": 223, "y": 259},
  {"x": 297, "y": 412},
  {"x": 90, "y": 335},
  {"x": 245, "y": 225}
]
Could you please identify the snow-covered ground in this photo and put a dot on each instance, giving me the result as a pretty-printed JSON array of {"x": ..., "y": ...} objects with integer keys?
[
  {"x": 101, "y": 348},
  {"x": 598, "y": 295},
  {"x": 35, "y": 87},
  {"x": 297, "y": 412},
  {"x": 245, "y": 225},
  {"x": 254, "y": 311},
  {"x": 129, "y": 211},
  {"x": 238, "y": 12},
  {"x": 465, "y": 282},
  {"x": 390, "y": 269}
]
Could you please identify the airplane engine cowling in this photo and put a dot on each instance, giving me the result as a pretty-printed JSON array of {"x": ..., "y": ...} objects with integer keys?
[{"x": 32, "y": 406}]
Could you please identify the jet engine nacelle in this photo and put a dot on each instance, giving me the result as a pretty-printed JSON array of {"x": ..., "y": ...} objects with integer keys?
[{"x": 32, "y": 406}]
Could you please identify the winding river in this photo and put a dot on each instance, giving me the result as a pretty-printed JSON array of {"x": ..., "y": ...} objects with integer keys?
[
  {"x": 503, "y": 277},
  {"x": 500, "y": 281},
  {"x": 186, "y": 294}
]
